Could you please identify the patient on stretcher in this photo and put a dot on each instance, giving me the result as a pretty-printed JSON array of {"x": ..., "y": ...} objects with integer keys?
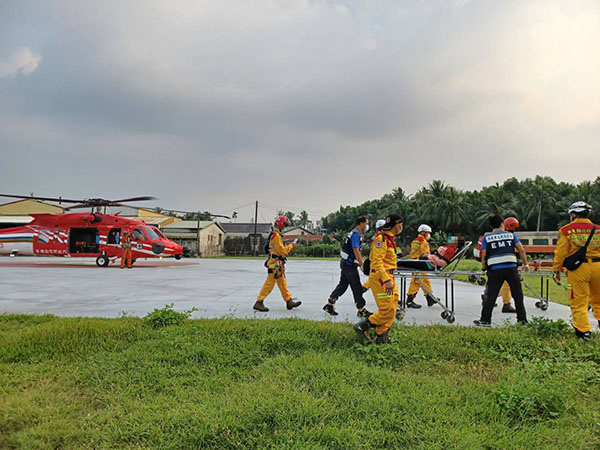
[
  {"x": 443, "y": 255},
  {"x": 438, "y": 259}
]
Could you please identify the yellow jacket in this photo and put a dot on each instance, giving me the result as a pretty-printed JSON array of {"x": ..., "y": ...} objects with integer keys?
[
  {"x": 383, "y": 256},
  {"x": 419, "y": 246},
  {"x": 572, "y": 237},
  {"x": 276, "y": 246}
]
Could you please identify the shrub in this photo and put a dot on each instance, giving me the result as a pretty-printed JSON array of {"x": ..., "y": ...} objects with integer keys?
[{"x": 167, "y": 316}]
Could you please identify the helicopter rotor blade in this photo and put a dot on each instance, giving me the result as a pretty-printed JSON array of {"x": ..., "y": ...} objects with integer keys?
[
  {"x": 134, "y": 199},
  {"x": 194, "y": 212},
  {"x": 49, "y": 199}
]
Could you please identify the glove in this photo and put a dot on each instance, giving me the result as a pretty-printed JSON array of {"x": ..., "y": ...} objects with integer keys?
[
  {"x": 557, "y": 276},
  {"x": 295, "y": 241}
]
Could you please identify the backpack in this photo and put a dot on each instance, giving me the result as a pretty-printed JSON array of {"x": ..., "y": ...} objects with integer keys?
[
  {"x": 267, "y": 246},
  {"x": 574, "y": 261}
]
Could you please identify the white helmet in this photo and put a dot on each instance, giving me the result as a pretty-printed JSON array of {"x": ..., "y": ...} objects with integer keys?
[
  {"x": 379, "y": 223},
  {"x": 423, "y": 228},
  {"x": 579, "y": 207}
]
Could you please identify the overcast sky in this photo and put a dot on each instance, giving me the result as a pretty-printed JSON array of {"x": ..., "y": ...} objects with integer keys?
[{"x": 299, "y": 104}]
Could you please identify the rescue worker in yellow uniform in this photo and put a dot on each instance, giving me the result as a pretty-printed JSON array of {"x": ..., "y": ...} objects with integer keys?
[
  {"x": 420, "y": 247},
  {"x": 125, "y": 250},
  {"x": 383, "y": 284},
  {"x": 583, "y": 283},
  {"x": 380, "y": 223},
  {"x": 275, "y": 265}
]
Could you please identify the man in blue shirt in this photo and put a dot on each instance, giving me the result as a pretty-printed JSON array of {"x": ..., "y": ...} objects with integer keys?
[
  {"x": 499, "y": 259},
  {"x": 351, "y": 260}
]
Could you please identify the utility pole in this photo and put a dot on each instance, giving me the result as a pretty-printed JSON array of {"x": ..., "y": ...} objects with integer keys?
[
  {"x": 255, "y": 228},
  {"x": 198, "y": 234}
]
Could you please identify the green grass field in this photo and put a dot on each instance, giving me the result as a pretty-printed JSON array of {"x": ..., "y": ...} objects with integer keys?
[{"x": 231, "y": 383}]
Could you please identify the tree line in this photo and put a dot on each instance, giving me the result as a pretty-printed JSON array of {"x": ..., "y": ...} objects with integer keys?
[{"x": 540, "y": 204}]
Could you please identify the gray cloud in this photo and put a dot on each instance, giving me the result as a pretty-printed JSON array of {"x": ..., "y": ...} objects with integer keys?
[{"x": 312, "y": 104}]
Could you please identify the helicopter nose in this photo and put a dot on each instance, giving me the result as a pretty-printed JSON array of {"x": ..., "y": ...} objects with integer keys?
[{"x": 186, "y": 250}]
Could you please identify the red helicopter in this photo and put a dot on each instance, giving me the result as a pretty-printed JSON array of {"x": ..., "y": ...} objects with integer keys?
[{"x": 90, "y": 234}]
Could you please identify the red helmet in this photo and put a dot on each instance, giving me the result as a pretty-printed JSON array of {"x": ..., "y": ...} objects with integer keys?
[
  {"x": 511, "y": 224},
  {"x": 281, "y": 222}
]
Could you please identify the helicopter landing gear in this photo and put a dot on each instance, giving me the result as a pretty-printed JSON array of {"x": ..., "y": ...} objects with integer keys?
[
  {"x": 102, "y": 261},
  {"x": 177, "y": 257}
]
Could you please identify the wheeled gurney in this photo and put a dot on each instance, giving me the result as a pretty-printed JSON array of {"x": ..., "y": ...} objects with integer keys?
[{"x": 409, "y": 269}]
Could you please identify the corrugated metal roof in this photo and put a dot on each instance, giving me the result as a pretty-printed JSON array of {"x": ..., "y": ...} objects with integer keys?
[
  {"x": 245, "y": 228},
  {"x": 187, "y": 224},
  {"x": 152, "y": 220}
]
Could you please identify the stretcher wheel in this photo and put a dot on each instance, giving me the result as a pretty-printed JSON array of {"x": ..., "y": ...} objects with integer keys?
[
  {"x": 481, "y": 282},
  {"x": 538, "y": 304},
  {"x": 544, "y": 306},
  {"x": 451, "y": 318},
  {"x": 472, "y": 279},
  {"x": 445, "y": 314}
]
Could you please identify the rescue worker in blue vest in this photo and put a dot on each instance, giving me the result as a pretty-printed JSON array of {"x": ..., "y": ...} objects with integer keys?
[
  {"x": 275, "y": 265},
  {"x": 351, "y": 259},
  {"x": 584, "y": 282},
  {"x": 419, "y": 247},
  {"x": 499, "y": 259},
  {"x": 383, "y": 260}
]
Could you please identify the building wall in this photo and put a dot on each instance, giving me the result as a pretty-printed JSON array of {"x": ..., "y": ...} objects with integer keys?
[{"x": 212, "y": 241}]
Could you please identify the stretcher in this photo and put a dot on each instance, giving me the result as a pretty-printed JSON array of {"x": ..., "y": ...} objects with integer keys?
[{"x": 406, "y": 270}]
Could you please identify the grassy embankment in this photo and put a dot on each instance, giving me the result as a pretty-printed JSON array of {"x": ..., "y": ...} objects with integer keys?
[{"x": 228, "y": 383}]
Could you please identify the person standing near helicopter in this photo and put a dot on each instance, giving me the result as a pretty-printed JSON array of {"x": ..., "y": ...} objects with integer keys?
[{"x": 125, "y": 250}]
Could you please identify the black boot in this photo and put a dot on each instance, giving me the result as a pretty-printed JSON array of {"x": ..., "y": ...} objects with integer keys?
[
  {"x": 585, "y": 335},
  {"x": 381, "y": 338},
  {"x": 260, "y": 306},
  {"x": 362, "y": 329},
  {"x": 364, "y": 313},
  {"x": 410, "y": 302},
  {"x": 290, "y": 304},
  {"x": 329, "y": 309},
  {"x": 507, "y": 308},
  {"x": 430, "y": 300}
]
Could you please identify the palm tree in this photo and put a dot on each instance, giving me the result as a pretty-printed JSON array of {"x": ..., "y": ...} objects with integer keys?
[
  {"x": 542, "y": 196},
  {"x": 303, "y": 219}
]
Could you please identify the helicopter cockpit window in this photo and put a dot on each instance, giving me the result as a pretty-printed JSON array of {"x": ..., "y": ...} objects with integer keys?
[
  {"x": 138, "y": 235},
  {"x": 152, "y": 233}
]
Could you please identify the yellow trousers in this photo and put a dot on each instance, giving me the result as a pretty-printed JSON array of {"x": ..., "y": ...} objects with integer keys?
[
  {"x": 270, "y": 284},
  {"x": 422, "y": 283},
  {"x": 386, "y": 306},
  {"x": 584, "y": 288},
  {"x": 505, "y": 293}
]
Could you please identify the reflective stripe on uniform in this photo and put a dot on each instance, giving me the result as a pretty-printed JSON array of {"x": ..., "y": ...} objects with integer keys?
[{"x": 503, "y": 259}]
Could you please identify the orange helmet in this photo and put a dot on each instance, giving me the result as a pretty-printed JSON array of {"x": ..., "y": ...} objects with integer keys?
[
  {"x": 281, "y": 222},
  {"x": 511, "y": 224}
]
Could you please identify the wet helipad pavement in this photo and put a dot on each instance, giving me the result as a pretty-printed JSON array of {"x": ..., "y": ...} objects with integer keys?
[{"x": 215, "y": 287}]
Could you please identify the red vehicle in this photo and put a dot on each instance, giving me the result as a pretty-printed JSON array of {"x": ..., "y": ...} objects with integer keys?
[{"x": 86, "y": 234}]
